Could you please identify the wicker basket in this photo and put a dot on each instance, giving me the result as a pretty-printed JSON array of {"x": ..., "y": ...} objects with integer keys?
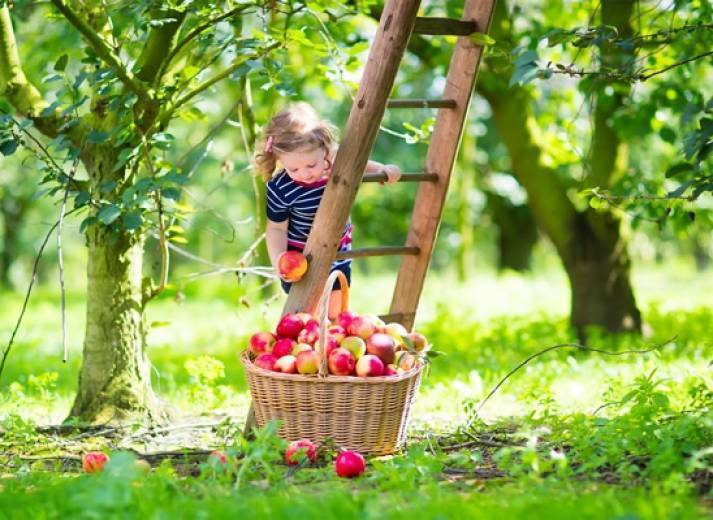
[{"x": 367, "y": 414}]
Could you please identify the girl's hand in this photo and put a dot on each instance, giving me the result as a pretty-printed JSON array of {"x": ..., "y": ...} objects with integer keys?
[{"x": 393, "y": 173}]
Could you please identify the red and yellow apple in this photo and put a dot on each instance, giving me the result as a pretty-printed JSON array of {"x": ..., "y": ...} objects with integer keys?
[
  {"x": 300, "y": 347},
  {"x": 94, "y": 461},
  {"x": 310, "y": 332},
  {"x": 383, "y": 346},
  {"x": 405, "y": 360},
  {"x": 419, "y": 341},
  {"x": 308, "y": 362},
  {"x": 266, "y": 361},
  {"x": 292, "y": 266},
  {"x": 218, "y": 456},
  {"x": 355, "y": 345},
  {"x": 362, "y": 326},
  {"x": 369, "y": 366},
  {"x": 344, "y": 319},
  {"x": 286, "y": 364},
  {"x": 262, "y": 342},
  {"x": 337, "y": 332},
  {"x": 289, "y": 326},
  {"x": 341, "y": 362},
  {"x": 297, "y": 449}
]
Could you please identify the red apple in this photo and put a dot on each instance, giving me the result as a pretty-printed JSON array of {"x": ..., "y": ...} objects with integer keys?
[
  {"x": 349, "y": 464},
  {"x": 283, "y": 347},
  {"x": 262, "y": 342},
  {"x": 419, "y": 341},
  {"x": 330, "y": 346},
  {"x": 218, "y": 456},
  {"x": 300, "y": 347},
  {"x": 308, "y": 362},
  {"x": 310, "y": 332},
  {"x": 337, "y": 332},
  {"x": 341, "y": 362},
  {"x": 369, "y": 366},
  {"x": 93, "y": 461},
  {"x": 290, "y": 326},
  {"x": 378, "y": 322},
  {"x": 286, "y": 364},
  {"x": 345, "y": 318},
  {"x": 304, "y": 316},
  {"x": 266, "y": 361},
  {"x": 383, "y": 346},
  {"x": 301, "y": 447},
  {"x": 391, "y": 370},
  {"x": 292, "y": 265},
  {"x": 355, "y": 345},
  {"x": 362, "y": 326}
]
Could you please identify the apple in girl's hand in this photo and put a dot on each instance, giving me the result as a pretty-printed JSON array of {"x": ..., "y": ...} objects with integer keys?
[
  {"x": 292, "y": 265},
  {"x": 383, "y": 346},
  {"x": 302, "y": 446},
  {"x": 349, "y": 464},
  {"x": 310, "y": 332},
  {"x": 308, "y": 362},
  {"x": 337, "y": 332},
  {"x": 420, "y": 343},
  {"x": 341, "y": 362},
  {"x": 390, "y": 370},
  {"x": 355, "y": 345},
  {"x": 362, "y": 326},
  {"x": 262, "y": 342},
  {"x": 369, "y": 366},
  {"x": 289, "y": 326},
  {"x": 344, "y": 319},
  {"x": 93, "y": 461},
  {"x": 300, "y": 347},
  {"x": 266, "y": 361},
  {"x": 283, "y": 347},
  {"x": 286, "y": 364}
]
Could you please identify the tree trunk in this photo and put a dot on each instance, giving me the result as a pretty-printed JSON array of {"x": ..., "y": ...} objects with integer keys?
[
  {"x": 114, "y": 382},
  {"x": 13, "y": 212},
  {"x": 517, "y": 232}
]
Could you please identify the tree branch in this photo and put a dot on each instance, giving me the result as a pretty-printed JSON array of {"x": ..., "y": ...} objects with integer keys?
[
  {"x": 673, "y": 66},
  {"x": 153, "y": 60},
  {"x": 103, "y": 50}
]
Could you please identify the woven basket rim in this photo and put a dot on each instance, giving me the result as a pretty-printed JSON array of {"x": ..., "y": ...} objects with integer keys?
[{"x": 250, "y": 366}]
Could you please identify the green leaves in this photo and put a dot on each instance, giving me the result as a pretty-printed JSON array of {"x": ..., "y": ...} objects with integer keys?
[{"x": 525, "y": 68}]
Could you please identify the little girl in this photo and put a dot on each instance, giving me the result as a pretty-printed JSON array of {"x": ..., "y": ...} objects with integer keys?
[{"x": 304, "y": 146}]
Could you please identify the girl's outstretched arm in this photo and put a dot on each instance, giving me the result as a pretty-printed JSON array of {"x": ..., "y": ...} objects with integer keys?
[{"x": 392, "y": 171}]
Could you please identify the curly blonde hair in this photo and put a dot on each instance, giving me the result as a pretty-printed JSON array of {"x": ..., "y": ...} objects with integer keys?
[{"x": 295, "y": 128}]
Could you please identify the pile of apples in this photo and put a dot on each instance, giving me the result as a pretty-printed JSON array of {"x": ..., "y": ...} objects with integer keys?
[{"x": 357, "y": 345}]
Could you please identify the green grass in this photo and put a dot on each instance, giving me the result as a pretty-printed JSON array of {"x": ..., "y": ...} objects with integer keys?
[{"x": 641, "y": 455}]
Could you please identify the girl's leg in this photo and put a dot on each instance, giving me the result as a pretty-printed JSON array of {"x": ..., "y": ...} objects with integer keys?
[{"x": 335, "y": 304}]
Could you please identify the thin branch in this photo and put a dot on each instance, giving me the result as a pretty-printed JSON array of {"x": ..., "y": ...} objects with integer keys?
[
  {"x": 103, "y": 49},
  {"x": 674, "y": 65},
  {"x": 60, "y": 263}
]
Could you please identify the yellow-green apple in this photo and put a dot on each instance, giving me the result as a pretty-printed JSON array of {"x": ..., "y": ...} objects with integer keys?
[
  {"x": 94, "y": 461},
  {"x": 310, "y": 332},
  {"x": 262, "y": 342},
  {"x": 266, "y": 361},
  {"x": 341, "y": 362},
  {"x": 300, "y": 347},
  {"x": 308, "y": 362},
  {"x": 344, "y": 319},
  {"x": 283, "y": 347},
  {"x": 390, "y": 370},
  {"x": 298, "y": 449},
  {"x": 398, "y": 332},
  {"x": 369, "y": 366},
  {"x": 405, "y": 360},
  {"x": 286, "y": 364},
  {"x": 289, "y": 326},
  {"x": 355, "y": 345},
  {"x": 362, "y": 326},
  {"x": 337, "y": 332},
  {"x": 349, "y": 464},
  {"x": 292, "y": 265},
  {"x": 381, "y": 345},
  {"x": 419, "y": 341}
]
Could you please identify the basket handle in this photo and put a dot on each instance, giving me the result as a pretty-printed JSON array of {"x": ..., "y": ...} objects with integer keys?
[{"x": 323, "y": 316}]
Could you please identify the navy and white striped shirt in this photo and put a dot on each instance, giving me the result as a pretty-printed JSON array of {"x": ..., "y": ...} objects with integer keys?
[{"x": 297, "y": 203}]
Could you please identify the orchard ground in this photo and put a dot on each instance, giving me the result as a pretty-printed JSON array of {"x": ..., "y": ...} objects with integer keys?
[{"x": 571, "y": 431}]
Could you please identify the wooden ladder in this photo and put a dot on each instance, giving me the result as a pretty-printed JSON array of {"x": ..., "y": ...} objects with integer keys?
[{"x": 398, "y": 21}]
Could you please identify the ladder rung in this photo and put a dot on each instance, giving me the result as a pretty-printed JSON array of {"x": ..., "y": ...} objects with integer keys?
[
  {"x": 405, "y": 177},
  {"x": 378, "y": 251},
  {"x": 398, "y": 317},
  {"x": 421, "y": 103},
  {"x": 444, "y": 26}
]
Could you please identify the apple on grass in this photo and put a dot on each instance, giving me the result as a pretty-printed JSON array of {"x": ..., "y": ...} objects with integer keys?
[
  {"x": 369, "y": 366},
  {"x": 292, "y": 266},
  {"x": 283, "y": 347},
  {"x": 94, "y": 461},
  {"x": 262, "y": 342},
  {"x": 383, "y": 346},
  {"x": 307, "y": 362},
  {"x": 218, "y": 457},
  {"x": 299, "y": 449},
  {"x": 341, "y": 362},
  {"x": 349, "y": 464}
]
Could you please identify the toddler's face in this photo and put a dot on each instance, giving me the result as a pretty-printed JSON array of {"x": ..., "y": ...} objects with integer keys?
[{"x": 306, "y": 166}]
